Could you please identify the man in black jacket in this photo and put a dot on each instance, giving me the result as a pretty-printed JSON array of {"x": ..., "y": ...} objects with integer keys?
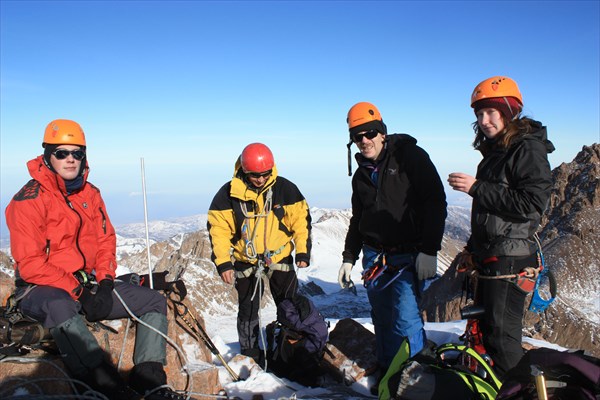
[{"x": 398, "y": 215}]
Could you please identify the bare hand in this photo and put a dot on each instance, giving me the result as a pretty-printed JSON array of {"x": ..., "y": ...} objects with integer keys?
[
  {"x": 228, "y": 276},
  {"x": 301, "y": 264},
  {"x": 461, "y": 182}
]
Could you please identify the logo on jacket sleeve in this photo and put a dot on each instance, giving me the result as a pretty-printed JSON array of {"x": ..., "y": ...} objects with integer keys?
[{"x": 29, "y": 191}]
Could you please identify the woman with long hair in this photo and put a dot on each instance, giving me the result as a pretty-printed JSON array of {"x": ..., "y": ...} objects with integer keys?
[{"x": 510, "y": 193}]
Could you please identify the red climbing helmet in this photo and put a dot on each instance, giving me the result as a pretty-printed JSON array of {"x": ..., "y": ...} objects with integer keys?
[{"x": 256, "y": 157}]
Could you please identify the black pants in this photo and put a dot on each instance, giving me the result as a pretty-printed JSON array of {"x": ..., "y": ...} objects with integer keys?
[
  {"x": 283, "y": 285},
  {"x": 504, "y": 303}
]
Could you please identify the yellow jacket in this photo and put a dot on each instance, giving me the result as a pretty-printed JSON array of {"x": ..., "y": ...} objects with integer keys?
[{"x": 246, "y": 224}]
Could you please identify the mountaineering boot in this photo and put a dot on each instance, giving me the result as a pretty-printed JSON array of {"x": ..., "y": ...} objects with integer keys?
[
  {"x": 106, "y": 379},
  {"x": 150, "y": 380},
  {"x": 84, "y": 358}
]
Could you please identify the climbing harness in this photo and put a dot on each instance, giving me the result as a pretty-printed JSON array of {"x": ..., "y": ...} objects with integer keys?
[{"x": 263, "y": 262}]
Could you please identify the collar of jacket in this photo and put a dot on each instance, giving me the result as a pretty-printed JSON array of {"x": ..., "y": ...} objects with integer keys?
[
  {"x": 240, "y": 190},
  {"x": 49, "y": 180},
  {"x": 392, "y": 143}
]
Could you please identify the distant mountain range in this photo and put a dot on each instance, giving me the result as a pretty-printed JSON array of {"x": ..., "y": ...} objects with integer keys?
[{"x": 569, "y": 235}]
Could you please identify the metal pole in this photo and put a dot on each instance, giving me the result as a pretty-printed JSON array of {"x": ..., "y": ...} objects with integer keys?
[{"x": 146, "y": 224}]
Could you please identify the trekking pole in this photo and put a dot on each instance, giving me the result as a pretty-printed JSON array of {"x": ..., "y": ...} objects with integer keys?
[
  {"x": 146, "y": 223},
  {"x": 540, "y": 382},
  {"x": 200, "y": 333}
]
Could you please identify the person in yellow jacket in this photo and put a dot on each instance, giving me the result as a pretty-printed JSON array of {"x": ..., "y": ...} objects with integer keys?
[{"x": 257, "y": 222}]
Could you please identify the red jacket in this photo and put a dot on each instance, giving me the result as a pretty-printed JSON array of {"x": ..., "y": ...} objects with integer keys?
[{"x": 53, "y": 234}]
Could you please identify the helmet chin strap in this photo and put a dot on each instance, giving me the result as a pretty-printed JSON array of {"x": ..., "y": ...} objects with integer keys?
[
  {"x": 349, "y": 145},
  {"x": 514, "y": 115}
]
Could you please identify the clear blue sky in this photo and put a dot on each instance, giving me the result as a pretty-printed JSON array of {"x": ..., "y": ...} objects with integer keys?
[{"x": 186, "y": 85}]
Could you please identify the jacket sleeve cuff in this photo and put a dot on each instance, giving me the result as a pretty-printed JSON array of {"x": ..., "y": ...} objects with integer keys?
[
  {"x": 348, "y": 257},
  {"x": 224, "y": 267},
  {"x": 303, "y": 257},
  {"x": 103, "y": 275},
  {"x": 473, "y": 188}
]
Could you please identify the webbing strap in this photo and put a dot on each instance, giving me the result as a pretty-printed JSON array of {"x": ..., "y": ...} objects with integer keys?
[{"x": 269, "y": 270}]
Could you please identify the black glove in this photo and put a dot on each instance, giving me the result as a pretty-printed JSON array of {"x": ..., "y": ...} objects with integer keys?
[
  {"x": 177, "y": 287},
  {"x": 97, "y": 306}
]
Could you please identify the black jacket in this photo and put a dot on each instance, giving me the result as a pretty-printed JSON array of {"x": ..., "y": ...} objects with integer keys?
[
  {"x": 406, "y": 210},
  {"x": 510, "y": 195}
]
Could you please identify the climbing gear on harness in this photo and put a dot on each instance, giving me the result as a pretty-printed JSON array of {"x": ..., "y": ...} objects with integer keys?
[
  {"x": 190, "y": 324},
  {"x": 544, "y": 291},
  {"x": 371, "y": 275},
  {"x": 86, "y": 280}
]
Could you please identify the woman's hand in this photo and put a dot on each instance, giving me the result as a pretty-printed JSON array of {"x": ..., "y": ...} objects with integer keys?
[{"x": 461, "y": 182}]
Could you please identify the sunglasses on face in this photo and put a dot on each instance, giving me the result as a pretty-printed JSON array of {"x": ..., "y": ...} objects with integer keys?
[
  {"x": 61, "y": 154},
  {"x": 257, "y": 175},
  {"x": 358, "y": 137}
]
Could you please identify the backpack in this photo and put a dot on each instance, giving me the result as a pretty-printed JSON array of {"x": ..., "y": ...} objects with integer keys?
[
  {"x": 438, "y": 373},
  {"x": 296, "y": 341},
  {"x": 568, "y": 376},
  {"x": 19, "y": 334}
]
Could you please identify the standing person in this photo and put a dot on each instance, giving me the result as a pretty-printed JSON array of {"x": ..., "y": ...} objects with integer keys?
[
  {"x": 62, "y": 240},
  {"x": 510, "y": 193},
  {"x": 255, "y": 222},
  {"x": 398, "y": 215}
]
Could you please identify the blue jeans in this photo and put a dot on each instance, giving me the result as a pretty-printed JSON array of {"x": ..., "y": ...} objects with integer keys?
[{"x": 394, "y": 308}]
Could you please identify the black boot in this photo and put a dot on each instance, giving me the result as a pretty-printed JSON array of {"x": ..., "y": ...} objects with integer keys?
[
  {"x": 105, "y": 379},
  {"x": 150, "y": 380}
]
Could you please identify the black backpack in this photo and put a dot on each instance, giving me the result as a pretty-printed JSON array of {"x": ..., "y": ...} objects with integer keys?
[
  {"x": 568, "y": 376},
  {"x": 296, "y": 341}
]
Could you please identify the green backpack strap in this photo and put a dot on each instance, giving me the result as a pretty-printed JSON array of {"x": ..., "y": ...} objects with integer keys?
[
  {"x": 398, "y": 362},
  {"x": 491, "y": 380}
]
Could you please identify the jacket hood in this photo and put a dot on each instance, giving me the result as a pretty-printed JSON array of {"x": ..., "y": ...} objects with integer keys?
[
  {"x": 541, "y": 134},
  {"x": 49, "y": 179}
]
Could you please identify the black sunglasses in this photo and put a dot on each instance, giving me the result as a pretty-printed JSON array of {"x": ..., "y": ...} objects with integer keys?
[
  {"x": 358, "y": 137},
  {"x": 260, "y": 174},
  {"x": 61, "y": 154}
]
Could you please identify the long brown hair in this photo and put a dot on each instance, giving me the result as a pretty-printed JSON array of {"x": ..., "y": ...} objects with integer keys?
[{"x": 513, "y": 129}]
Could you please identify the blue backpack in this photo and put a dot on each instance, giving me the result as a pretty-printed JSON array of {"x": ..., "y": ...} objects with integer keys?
[{"x": 296, "y": 341}]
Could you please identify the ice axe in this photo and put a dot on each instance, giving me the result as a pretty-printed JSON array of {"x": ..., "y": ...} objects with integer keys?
[{"x": 195, "y": 329}]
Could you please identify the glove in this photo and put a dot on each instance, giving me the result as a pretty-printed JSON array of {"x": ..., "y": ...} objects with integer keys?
[
  {"x": 97, "y": 306},
  {"x": 177, "y": 287},
  {"x": 426, "y": 266},
  {"x": 344, "y": 275}
]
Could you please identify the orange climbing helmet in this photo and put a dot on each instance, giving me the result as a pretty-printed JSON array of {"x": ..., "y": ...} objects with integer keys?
[
  {"x": 496, "y": 86},
  {"x": 256, "y": 157},
  {"x": 64, "y": 131},
  {"x": 364, "y": 116},
  {"x": 361, "y": 113}
]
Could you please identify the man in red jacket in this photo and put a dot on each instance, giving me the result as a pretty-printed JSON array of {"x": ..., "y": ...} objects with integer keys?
[{"x": 63, "y": 242}]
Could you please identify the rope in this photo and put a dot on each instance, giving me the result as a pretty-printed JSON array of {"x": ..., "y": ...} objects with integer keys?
[
  {"x": 123, "y": 345},
  {"x": 525, "y": 274},
  {"x": 250, "y": 251},
  {"x": 88, "y": 394}
]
